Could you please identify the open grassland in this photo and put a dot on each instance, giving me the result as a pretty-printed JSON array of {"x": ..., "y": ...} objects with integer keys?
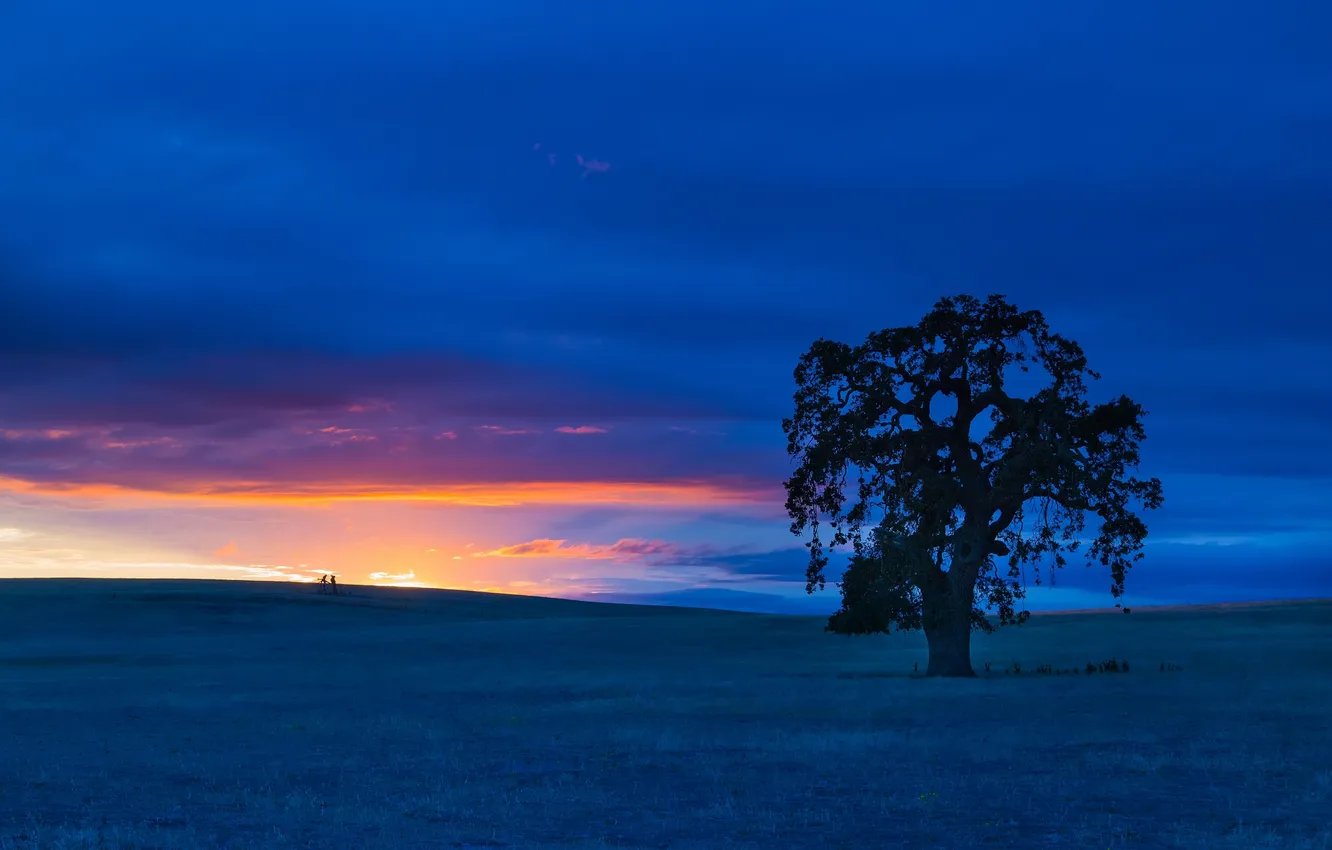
[{"x": 229, "y": 714}]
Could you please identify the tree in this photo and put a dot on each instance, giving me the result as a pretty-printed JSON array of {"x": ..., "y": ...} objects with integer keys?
[{"x": 903, "y": 415}]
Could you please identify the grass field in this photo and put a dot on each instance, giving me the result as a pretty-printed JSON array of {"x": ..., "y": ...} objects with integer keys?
[{"x": 231, "y": 714}]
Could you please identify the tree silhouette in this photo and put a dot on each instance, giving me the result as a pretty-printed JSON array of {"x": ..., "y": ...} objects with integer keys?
[{"x": 896, "y": 424}]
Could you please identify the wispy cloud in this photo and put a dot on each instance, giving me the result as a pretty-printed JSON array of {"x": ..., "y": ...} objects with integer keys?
[
  {"x": 37, "y": 433},
  {"x": 500, "y": 494},
  {"x": 542, "y": 548},
  {"x": 374, "y": 406},
  {"x": 581, "y": 429},
  {"x": 548, "y": 548},
  {"x": 783, "y": 564},
  {"x": 508, "y": 432},
  {"x": 76, "y": 563},
  {"x": 407, "y": 579}
]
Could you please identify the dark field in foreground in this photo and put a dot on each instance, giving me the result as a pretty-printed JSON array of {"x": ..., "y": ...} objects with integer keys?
[{"x": 228, "y": 714}]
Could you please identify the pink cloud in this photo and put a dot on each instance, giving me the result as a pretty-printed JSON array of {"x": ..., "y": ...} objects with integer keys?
[
  {"x": 542, "y": 548},
  {"x": 644, "y": 547},
  {"x": 626, "y": 548},
  {"x": 37, "y": 433},
  {"x": 309, "y": 455},
  {"x": 369, "y": 407},
  {"x": 497, "y": 429},
  {"x": 230, "y": 550},
  {"x": 137, "y": 444},
  {"x": 337, "y": 436}
]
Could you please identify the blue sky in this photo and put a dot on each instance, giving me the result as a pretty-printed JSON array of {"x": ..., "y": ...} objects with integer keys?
[{"x": 296, "y": 286}]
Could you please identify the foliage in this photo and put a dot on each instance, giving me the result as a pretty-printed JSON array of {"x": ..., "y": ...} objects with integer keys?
[{"x": 933, "y": 494}]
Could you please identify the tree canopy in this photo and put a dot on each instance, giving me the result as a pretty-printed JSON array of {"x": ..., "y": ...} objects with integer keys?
[{"x": 912, "y": 450}]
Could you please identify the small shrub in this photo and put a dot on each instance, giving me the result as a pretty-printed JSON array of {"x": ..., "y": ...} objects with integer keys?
[{"x": 1112, "y": 665}]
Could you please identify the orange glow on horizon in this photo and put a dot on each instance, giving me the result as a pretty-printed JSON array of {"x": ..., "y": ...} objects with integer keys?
[{"x": 477, "y": 495}]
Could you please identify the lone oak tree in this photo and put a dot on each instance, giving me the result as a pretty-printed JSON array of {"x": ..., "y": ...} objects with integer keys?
[{"x": 951, "y": 494}]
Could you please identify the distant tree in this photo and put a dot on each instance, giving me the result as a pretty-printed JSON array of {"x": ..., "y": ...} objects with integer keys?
[{"x": 896, "y": 424}]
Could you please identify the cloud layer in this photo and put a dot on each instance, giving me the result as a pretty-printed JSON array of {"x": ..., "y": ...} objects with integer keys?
[{"x": 300, "y": 256}]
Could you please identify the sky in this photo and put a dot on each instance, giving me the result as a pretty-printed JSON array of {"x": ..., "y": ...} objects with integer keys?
[{"x": 508, "y": 295}]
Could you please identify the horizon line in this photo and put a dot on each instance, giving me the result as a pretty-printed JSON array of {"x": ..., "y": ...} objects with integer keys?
[{"x": 1246, "y": 603}]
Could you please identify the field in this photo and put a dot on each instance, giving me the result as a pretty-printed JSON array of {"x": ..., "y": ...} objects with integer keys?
[{"x": 233, "y": 714}]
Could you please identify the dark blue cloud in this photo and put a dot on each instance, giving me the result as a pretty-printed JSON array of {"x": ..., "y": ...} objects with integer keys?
[
  {"x": 787, "y": 564},
  {"x": 726, "y": 599},
  {"x": 1176, "y": 573}
]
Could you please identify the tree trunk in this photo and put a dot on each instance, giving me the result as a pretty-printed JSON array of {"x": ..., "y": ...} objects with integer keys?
[
  {"x": 947, "y": 623},
  {"x": 950, "y": 646}
]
